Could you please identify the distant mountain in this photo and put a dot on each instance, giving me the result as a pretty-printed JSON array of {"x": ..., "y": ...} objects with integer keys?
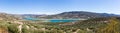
[
  {"x": 64, "y": 15},
  {"x": 33, "y": 15},
  {"x": 81, "y": 14}
]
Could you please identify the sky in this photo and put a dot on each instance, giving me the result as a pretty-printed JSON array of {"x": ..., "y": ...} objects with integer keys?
[{"x": 58, "y": 6}]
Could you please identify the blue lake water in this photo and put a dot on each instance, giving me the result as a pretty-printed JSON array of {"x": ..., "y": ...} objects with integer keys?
[
  {"x": 62, "y": 20},
  {"x": 53, "y": 20}
]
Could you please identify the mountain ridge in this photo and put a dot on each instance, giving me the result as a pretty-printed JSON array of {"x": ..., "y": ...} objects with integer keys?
[{"x": 81, "y": 14}]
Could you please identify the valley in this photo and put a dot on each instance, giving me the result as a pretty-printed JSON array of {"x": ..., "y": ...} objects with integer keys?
[{"x": 77, "y": 22}]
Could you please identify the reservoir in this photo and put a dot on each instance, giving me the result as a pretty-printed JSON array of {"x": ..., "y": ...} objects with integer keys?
[
  {"x": 53, "y": 20},
  {"x": 62, "y": 20}
]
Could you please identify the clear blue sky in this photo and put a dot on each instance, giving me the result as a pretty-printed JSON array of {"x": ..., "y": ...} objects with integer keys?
[{"x": 58, "y": 6}]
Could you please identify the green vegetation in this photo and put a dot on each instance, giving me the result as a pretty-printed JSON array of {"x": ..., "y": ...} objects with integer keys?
[
  {"x": 112, "y": 27},
  {"x": 94, "y": 25}
]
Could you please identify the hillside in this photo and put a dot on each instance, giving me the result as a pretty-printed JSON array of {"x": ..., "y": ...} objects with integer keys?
[
  {"x": 95, "y": 25},
  {"x": 5, "y": 16}
]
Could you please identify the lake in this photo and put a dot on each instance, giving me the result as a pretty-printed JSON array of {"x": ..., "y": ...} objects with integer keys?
[
  {"x": 53, "y": 20},
  {"x": 61, "y": 20}
]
